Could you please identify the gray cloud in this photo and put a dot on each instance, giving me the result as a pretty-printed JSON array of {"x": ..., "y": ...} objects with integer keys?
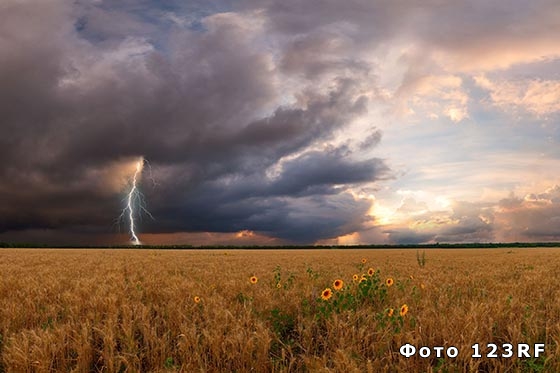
[
  {"x": 407, "y": 236},
  {"x": 466, "y": 222},
  {"x": 472, "y": 222},
  {"x": 240, "y": 110},
  {"x": 79, "y": 96},
  {"x": 533, "y": 218},
  {"x": 371, "y": 140}
]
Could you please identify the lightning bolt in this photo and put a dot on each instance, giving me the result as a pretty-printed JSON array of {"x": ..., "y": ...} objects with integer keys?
[{"x": 135, "y": 202}]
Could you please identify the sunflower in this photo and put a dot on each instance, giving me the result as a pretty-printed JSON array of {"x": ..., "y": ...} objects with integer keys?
[
  {"x": 364, "y": 260},
  {"x": 196, "y": 299},
  {"x": 411, "y": 277},
  {"x": 390, "y": 312},
  {"x": 389, "y": 282},
  {"x": 423, "y": 286},
  {"x": 370, "y": 271},
  {"x": 326, "y": 294},
  {"x": 404, "y": 310},
  {"x": 254, "y": 279},
  {"x": 355, "y": 278},
  {"x": 337, "y": 284},
  {"x": 278, "y": 285},
  {"x": 363, "y": 278}
]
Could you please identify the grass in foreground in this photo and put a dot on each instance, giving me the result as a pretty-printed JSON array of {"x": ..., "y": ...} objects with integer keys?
[{"x": 333, "y": 310}]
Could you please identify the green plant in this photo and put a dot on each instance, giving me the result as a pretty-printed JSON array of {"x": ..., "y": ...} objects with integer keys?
[
  {"x": 169, "y": 363},
  {"x": 421, "y": 259},
  {"x": 242, "y": 298},
  {"x": 279, "y": 283},
  {"x": 283, "y": 325},
  {"x": 534, "y": 364},
  {"x": 311, "y": 273},
  {"x": 369, "y": 292}
]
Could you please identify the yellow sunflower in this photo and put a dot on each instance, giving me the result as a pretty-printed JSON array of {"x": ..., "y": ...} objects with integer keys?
[
  {"x": 390, "y": 312},
  {"x": 364, "y": 260},
  {"x": 337, "y": 284},
  {"x": 363, "y": 278},
  {"x": 404, "y": 310},
  {"x": 326, "y": 294},
  {"x": 355, "y": 278},
  {"x": 278, "y": 285},
  {"x": 254, "y": 279},
  {"x": 196, "y": 299},
  {"x": 371, "y": 271},
  {"x": 389, "y": 282}
]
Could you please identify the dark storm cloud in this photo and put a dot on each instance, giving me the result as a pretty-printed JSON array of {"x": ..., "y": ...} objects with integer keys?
[
  {"x": 330, "y": 169},
  {"x": 301, "y": 203},
  {"x": 407, "y": 236},
  {"x": 79, "y": 95},
  {"x": 313, "y": 172},
  {"x": 296, "y": 219}
]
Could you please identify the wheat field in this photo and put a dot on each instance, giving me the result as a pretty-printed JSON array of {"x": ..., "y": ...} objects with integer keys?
[{"x": 224, "y": 310}]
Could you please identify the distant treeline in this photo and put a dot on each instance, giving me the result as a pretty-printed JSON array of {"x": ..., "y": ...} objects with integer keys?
[{"x": 472, "y": 245}]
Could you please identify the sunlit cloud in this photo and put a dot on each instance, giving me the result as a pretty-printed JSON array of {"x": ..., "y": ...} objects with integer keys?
[{"x": 534, "y": 96}]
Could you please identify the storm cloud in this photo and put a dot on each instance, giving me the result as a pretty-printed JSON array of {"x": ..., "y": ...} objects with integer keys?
[
  {"x": 292, "y": 121},
  {"x": 85, "y": 92}
]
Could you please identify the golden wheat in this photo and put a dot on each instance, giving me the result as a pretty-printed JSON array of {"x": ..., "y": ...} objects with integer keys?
[{"x": 251, "y": 310}]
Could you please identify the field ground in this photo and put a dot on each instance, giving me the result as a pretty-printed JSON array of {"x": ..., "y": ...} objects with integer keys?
[{"x": 197, "y": 311}]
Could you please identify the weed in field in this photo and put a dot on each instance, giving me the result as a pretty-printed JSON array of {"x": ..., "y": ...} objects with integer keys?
[
  {"x": 311, "y": 273},
  {"x": 242, "y": 298},
  {"x": 369, "y": 293},
  {"x": 280, "y": 283},
  {"x": 421, "y": 259},
  {"x": 169, "y": 363}
]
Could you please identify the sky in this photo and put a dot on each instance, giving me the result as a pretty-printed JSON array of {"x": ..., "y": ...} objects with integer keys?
[{"x": 280, "y": 122}]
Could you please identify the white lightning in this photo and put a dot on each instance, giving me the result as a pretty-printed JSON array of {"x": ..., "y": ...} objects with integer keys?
[{"x": 134, "y": 202}]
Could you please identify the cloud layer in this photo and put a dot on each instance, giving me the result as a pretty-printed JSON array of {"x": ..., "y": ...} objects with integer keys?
[
  {"x": 295, "y": 121},
  {"x": 229, "y": 148}
]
